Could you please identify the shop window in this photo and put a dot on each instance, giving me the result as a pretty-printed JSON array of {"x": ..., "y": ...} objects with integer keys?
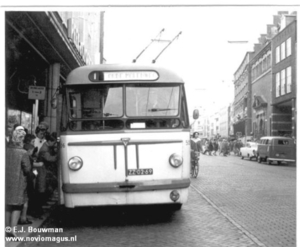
[
  {"x": 289, "y": 80},
  {"x": 277, "y": 84},
  {"x": 288, "y": 47},
  {"x": 19, "y": 117}
]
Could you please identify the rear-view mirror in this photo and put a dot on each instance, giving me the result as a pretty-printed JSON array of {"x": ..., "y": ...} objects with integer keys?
[{"x": 196, "y": 114}]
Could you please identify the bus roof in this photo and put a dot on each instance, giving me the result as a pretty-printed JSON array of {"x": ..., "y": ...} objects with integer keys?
[{"x": 81, "y": 75}]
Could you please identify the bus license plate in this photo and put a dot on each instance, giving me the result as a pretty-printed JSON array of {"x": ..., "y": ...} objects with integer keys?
[{"x": 137, "y": 172}]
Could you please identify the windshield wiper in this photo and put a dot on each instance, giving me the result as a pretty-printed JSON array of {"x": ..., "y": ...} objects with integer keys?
[
  {"x": 160, "y": 109},
  {"x": 107, "y": 114}
]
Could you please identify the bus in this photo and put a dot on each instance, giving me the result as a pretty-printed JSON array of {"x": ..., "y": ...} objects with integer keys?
[{"x": 124, "y": 137}]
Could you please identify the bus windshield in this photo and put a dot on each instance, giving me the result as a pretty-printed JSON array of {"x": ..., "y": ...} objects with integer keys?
[
  {"x": 97, "y": 101},
  {"x": 146, "y": 100},
  {"x": 146, "y": 105}
]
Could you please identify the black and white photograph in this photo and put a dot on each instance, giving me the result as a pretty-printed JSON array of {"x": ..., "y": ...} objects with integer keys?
[{"x": 149, "y": 123}]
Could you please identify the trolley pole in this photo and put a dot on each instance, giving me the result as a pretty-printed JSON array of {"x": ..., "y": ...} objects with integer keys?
[
  {"x": 154, "y": 60},
  {"x": 134, "y": 60}
]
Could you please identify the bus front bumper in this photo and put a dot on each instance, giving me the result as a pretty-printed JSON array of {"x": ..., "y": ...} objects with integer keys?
[{"x": 166, "y": 184}]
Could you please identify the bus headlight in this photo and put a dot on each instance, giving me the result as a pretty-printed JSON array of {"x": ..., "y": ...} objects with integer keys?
[
  {"x": 174, "y": 195},
  {"x": 175, "y": 160},
  {"x": 75, "y": 163}
]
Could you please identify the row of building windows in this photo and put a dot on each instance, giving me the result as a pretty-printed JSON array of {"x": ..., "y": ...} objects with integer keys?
[
  {"x": 261, "y": 66},
  {"x": 284, "y": 81},
  {"x": 284, "y": 50}
]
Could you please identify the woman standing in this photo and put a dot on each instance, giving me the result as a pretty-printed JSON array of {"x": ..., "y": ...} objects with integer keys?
[{"x": 17, "y": 168}]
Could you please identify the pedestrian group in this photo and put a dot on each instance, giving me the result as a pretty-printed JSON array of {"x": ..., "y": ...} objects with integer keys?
[{"x": 31, "y": 174}]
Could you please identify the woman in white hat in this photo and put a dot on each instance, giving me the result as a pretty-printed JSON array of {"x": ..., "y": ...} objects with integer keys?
[{"x": 17, "y": 168}]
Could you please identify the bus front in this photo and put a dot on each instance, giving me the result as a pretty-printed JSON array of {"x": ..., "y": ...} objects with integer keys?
[{"x": 126, "y": 138}]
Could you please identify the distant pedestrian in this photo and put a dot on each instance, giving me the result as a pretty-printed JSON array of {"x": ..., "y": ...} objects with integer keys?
[
  {"x": 224, "y": 148},
  {"x": 208, "y": 147},
  {"x": 215, "y": 147}
]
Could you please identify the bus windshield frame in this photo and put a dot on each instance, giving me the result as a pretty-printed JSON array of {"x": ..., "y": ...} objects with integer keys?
[{"x": 134, "y": 105}]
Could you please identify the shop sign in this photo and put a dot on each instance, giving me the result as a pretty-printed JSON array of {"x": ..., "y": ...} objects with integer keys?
[{"x": 36, "y": 93}]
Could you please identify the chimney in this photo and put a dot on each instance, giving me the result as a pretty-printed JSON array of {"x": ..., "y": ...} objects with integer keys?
[
  {"x": 276, "y": 20},
  {"x": 257, "y": 48},
  {"x": 272, "y": 30},
  {"x": 262, "y": 39},
  {"x": 289, "y": 19}
]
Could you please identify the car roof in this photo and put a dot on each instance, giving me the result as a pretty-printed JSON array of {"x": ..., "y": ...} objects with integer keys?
[{"x": 275, "y": 137}]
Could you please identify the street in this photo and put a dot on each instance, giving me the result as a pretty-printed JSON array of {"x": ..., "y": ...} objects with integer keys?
[{"x": 233, "y": 202}]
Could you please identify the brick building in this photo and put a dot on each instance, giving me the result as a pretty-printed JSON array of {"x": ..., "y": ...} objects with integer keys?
[
  {"x": 265, "y": 83},
  {"x": 261, "y": 87},
  {"x": 284, "y": 70}
]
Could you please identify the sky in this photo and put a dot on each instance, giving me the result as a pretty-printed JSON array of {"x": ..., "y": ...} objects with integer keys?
[{"x": 201, "y": 54}]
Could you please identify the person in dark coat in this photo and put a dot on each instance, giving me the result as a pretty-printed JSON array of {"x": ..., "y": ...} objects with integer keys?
[
  {"x": 46, "y": 178},
  {"x": 224, "y": 148},
  {"x": 17, "y": 168},
  {"x": 209, "y": 147},
  {"x": 215, "y": 147}
]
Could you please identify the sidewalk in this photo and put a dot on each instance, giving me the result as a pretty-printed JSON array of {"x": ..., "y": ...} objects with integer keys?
[{"x": 36, "y": 223}]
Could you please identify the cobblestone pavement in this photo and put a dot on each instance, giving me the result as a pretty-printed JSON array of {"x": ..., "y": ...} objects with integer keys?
[
  {"x": 232, "y": 203},
  {"x": 196, "y": 224},
  {"x": 259, "y": 198}
]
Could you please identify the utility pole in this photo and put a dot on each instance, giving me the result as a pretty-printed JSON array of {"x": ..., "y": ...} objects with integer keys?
[{"x": 101, "y": 36}]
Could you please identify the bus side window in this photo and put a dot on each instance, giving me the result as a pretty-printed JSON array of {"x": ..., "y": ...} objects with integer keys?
[
  {"x": 183, "y": 114},
  {"x": 64, "y": 114}
]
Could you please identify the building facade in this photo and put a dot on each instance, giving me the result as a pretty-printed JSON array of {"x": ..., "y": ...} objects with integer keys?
[
  {"x": 224, "y": 121},
  {"x": 284, "y": 70},
  {"x": 41, "y": 50},
  {"x": 261, "y": 85},
  {"x": 242, "y": 98},
  {"x": 266, "y": 83}
]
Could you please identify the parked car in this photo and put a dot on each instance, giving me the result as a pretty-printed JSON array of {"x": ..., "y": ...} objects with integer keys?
[
  {"x": 276, "y": 148},
  {"x": 249, "y": 150}
]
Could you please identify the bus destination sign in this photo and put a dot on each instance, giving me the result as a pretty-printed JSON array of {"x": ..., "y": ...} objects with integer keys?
[{"x": 123, "y": 76}]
